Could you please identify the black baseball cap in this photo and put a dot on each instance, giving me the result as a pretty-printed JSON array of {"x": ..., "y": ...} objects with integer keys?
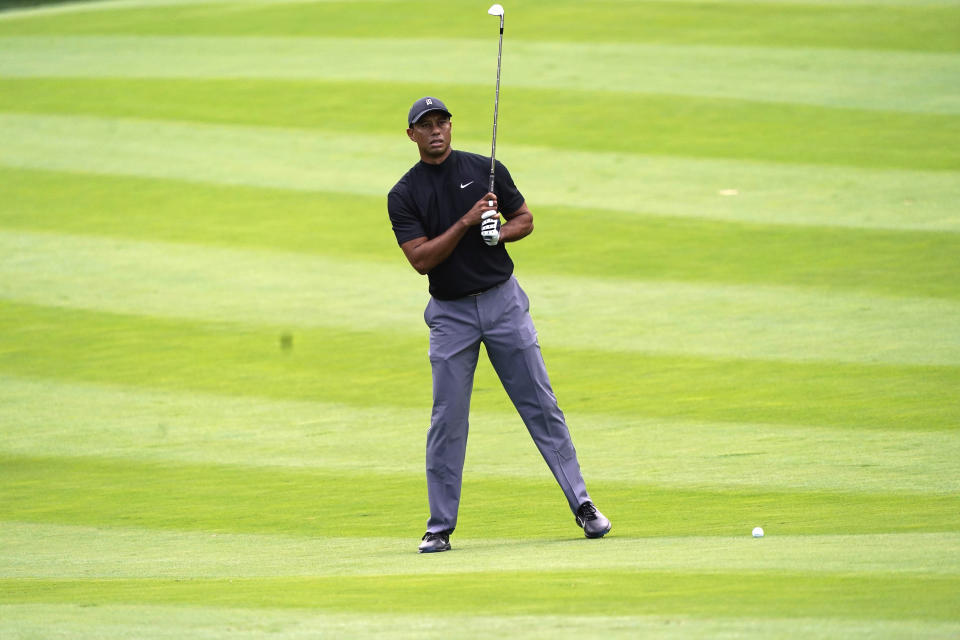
[{"x": 424, "y": 106}]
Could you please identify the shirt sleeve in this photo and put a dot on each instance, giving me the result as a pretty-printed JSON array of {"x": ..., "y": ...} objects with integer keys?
[
  {"x": 406, "y": 223},
  {"x": 509, "y": 197}
]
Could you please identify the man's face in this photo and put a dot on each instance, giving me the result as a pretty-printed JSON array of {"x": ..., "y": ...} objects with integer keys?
[{"x": 432, "y": 135}]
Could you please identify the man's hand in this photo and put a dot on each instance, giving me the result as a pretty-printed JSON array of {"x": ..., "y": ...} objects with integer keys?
[
  {"x": 480, "y": 210},
  {"x": 485, "y": 214},
  {"x": 490, "y": 228}
]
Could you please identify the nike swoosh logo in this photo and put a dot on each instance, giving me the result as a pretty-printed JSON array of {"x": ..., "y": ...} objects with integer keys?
[{"x": 464, "y": 186}]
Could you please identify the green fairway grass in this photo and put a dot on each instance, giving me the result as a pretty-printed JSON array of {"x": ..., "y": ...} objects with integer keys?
[{"x": 745, "y": 274}]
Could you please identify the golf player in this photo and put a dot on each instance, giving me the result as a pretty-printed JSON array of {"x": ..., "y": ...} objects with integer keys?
[{"x": 447, "y": 224}]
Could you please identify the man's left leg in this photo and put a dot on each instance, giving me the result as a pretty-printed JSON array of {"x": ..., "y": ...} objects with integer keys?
[{"x": 511, "y": 342}]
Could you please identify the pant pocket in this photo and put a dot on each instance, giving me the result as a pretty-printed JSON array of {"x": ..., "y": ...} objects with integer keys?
[{"x": 428, "y": 312}]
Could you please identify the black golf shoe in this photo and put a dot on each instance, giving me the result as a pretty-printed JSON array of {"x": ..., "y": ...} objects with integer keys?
[
  {"x": 593, "y": 523},
  {"x": 434, "y": 542}
]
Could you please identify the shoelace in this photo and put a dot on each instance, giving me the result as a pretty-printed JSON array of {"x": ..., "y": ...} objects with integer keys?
[
  {"x": 433, "y": 536},
  {"x": 588, "y": 511}
]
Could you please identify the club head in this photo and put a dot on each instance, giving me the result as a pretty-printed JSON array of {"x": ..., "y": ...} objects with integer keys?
[{"x": 496, "y": 10}]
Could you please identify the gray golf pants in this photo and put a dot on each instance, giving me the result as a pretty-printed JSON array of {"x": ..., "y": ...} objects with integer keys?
[{"x": 500, "y": 319}]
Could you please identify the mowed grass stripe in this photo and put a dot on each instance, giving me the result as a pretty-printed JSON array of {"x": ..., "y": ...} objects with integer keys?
[
  {"x": 534, "y": 592},
  {"x": 889, "y": 81},
  {"x": 840, "y": 24},
  {"x": 367, "y": 164},
  {"x": 299, "y": 292},
  {"x": 45, "y": 551},
  {"x": 385, "y": 368},
  {"x": 299, "y": 502},
  {"x": 41, "y": 10},
  {"x": 167, "y": 427},
  {"x": 620, "y": 244},
  {"x": 627, "y": 122},
  {"x": 215, "y": 623}
]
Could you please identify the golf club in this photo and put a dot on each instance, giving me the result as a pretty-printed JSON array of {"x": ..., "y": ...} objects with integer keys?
[{"x": 496, "y": 10}]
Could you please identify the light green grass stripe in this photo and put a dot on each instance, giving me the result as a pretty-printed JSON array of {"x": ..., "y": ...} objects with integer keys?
[
  {"x": 299, "y": 291},
  {"x": 371, "y": 164},
  {"x": 736, "y": 594},
  {"x": 147, "y": 425},
  {"x": 78, "y": 622},
  {"x": 898, "y": 81},
  {"x": 47, "y": 551}
]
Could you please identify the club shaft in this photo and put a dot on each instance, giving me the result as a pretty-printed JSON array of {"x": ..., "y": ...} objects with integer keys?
[{"x": 496, "y": 105}]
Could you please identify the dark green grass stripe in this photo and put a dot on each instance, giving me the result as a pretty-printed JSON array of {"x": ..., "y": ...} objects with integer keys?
[
  {"x": 740, "y": 594},
  {"x": 923, "y": 28},
  {"x": 7, "y": 5},
  {"x": 631, "y": 123},
  {"x": 358, "y": 368},
  {"x": 318, "y": 502},
  {"x": 10, "y": 5},
  {"x": 619, "y": 244}
]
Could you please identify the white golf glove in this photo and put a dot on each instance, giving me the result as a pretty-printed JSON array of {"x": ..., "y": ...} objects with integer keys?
[{"x": 490, "y": 228}]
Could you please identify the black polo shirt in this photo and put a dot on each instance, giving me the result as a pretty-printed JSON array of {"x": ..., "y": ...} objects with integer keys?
[{"x": 430, "y": 198}]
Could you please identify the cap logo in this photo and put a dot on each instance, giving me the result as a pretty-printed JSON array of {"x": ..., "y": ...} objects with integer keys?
[{"x": 429, "y": 101}]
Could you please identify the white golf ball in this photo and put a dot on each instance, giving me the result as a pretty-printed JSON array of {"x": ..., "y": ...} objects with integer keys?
[{"x": 758, "y": 532}]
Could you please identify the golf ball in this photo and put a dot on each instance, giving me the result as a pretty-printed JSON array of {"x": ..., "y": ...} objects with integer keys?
[{"x": 758, "y": 532}]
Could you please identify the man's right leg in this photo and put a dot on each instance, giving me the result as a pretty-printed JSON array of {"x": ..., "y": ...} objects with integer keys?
[{"x": 454, "y": 350}]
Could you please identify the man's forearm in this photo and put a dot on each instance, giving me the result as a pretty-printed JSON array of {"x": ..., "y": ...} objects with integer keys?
[
  {"x": 517, "y": 227},
  {"x": 425, "y": 254}
]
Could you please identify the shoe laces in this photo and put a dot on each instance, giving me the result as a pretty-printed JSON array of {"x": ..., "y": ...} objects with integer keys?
[
  {"x": 587, "y": 511},
  {"x": 433, "y": 536}
]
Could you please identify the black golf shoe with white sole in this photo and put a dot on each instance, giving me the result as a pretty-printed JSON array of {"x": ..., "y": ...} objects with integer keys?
[
  {"x": 434, "y": 542},
  {"x": 593, "y": 523}
]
